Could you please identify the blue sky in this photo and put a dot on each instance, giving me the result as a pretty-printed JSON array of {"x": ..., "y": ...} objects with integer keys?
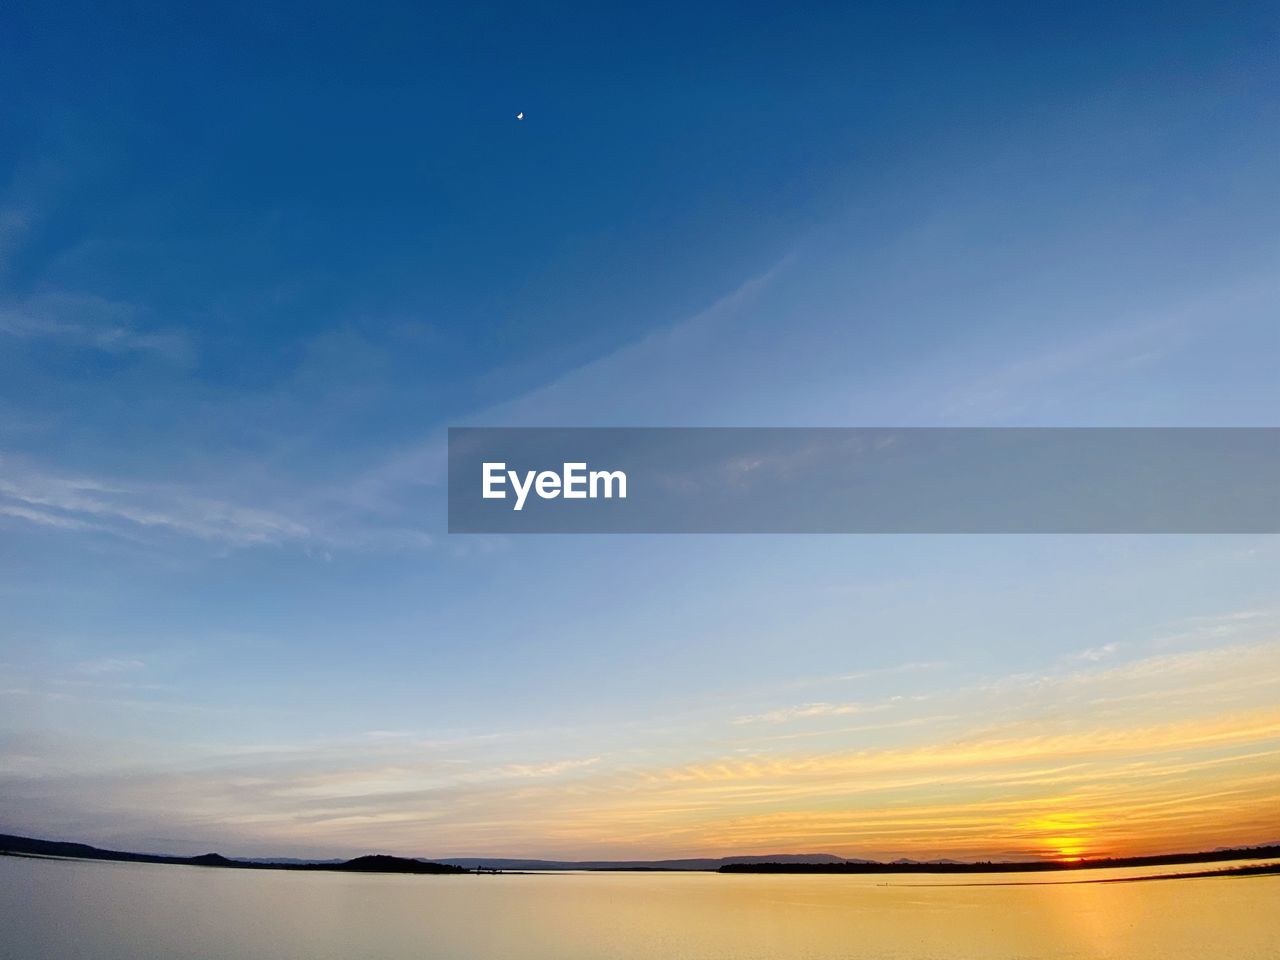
[{"x": 255, "y": 260}]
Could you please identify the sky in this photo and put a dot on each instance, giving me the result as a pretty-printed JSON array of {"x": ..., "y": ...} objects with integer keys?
[{"x": 255, "y": 260}]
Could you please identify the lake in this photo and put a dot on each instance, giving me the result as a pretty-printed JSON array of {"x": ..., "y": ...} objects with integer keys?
[{"x": 64, "y": 909}]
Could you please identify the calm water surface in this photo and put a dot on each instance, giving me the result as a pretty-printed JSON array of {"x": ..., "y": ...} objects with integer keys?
[{"x": 62, "y": 910}]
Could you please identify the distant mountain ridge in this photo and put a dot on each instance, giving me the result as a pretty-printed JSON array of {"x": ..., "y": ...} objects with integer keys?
[
  {"x": 1006, "y": 866},
  {"x": 688, "y": 863},
  {"x": 767, "y": 863},
  {"x": 61, "y": 848},
  {"x": 377, "y": 863}
]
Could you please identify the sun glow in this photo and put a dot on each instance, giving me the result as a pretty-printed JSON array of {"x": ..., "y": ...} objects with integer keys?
[{"x": 1064, "y": 836}]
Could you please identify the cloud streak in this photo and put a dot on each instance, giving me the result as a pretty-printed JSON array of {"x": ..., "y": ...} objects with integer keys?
[
  {"x": 93, "y": 323},
  {"x": 88, "y": 504}
]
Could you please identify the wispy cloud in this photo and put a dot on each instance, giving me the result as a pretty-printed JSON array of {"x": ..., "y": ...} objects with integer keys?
[
  {"x": 550, "y": 769},
  {"x": 1115, "y": 348},
  {"x": 45, "y": 518},
  {"x": 90, "y": 322},
  {"x": 84, "y": 503},
  {"x": 592, "y": 393},
  {"x": 805, "y": 711},
  {"x": 108, "y": 665},
  {"x": 1094, "y": 654}
]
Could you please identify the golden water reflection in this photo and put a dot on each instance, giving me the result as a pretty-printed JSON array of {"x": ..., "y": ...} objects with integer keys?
[{"x": 62, "y": 909}]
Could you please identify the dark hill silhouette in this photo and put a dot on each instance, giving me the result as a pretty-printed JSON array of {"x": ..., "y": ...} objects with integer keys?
[
  {"x": 211, "y": 860},
  {"x": 686, "y": 863},
  {"x": 943, "y": 866},
  {"x": 378, "y": 863},
  {"x": 382, "y": 863}
]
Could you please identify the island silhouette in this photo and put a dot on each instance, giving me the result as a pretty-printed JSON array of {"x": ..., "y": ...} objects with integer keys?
[
  {"x": 778, "y": 863},
  {"x": 373, "y": 863},
  {"x": 1264, "y": 852}
]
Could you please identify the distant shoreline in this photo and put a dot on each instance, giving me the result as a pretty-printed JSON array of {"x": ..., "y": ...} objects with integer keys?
[
  {"x": 30, "y": 847},
  {"x": 62, "y": 850},
  {"x": 1268, "y": 852},
  {"x": 1257, "y": 870}
]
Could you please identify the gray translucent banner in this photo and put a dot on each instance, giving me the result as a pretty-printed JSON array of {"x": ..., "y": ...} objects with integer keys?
[{"x": 859, "y": 480}]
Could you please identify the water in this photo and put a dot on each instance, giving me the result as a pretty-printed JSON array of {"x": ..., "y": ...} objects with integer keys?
[{"x": 64, "y": 910}]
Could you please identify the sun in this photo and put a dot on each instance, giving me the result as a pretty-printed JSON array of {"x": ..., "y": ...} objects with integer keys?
[
  {"x": 1069, "y": 850},
  {"x": 1062, "y": 837}
]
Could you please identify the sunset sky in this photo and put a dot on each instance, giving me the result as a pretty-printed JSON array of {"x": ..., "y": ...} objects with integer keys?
[{"x": 255, "y": 260}]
